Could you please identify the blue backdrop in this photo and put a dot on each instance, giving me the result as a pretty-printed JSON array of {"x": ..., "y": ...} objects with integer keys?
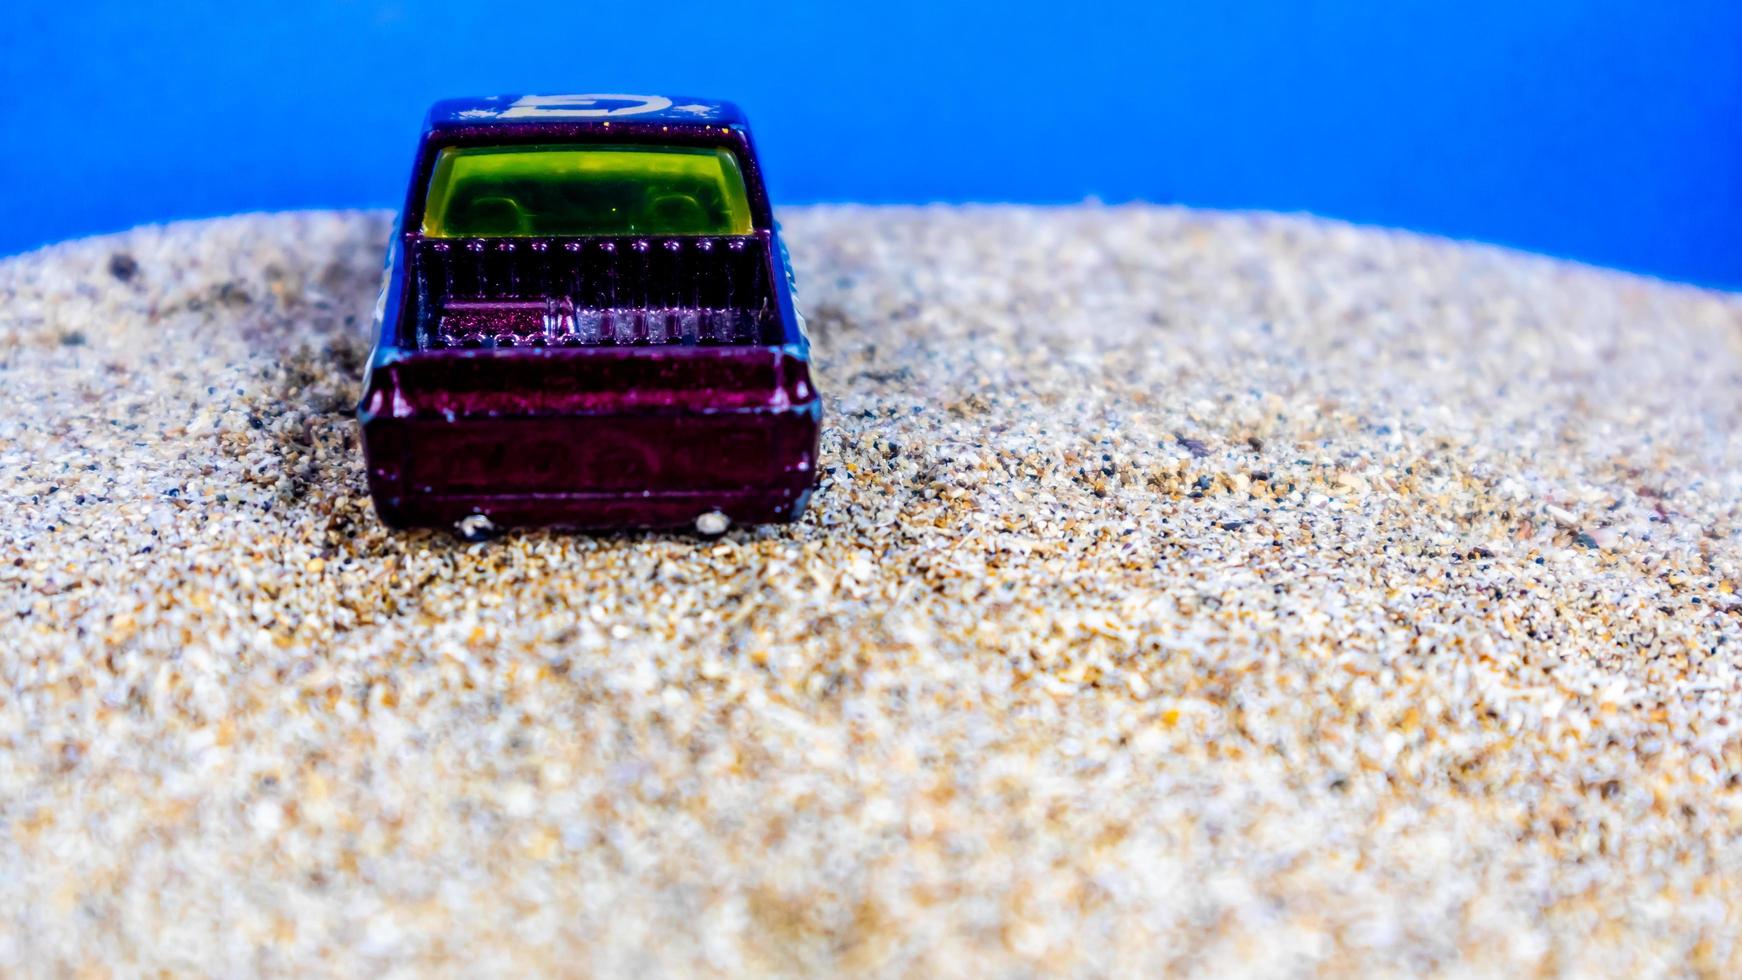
[{"x": 1606, "y": 130}]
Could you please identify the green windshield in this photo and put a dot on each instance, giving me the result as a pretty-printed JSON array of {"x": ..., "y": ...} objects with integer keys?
[{"x": 524, "y": 191}]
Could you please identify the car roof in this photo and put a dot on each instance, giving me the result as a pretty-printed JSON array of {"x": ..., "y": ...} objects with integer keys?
[{"x": 513, "y": 110}]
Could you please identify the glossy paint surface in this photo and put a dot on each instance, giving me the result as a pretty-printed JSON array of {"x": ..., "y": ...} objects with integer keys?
[{"x": 592, "y": 438}]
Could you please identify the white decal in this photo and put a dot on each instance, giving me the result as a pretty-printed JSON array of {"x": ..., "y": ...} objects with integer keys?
[{"x": 583, "y": 106}]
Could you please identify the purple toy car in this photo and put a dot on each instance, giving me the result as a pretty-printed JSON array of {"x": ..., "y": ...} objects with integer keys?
[{"x": 587, "y": 321}]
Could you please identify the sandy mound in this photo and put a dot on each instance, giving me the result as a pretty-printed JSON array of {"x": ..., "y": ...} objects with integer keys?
[{"x": 1184, "y": 592}]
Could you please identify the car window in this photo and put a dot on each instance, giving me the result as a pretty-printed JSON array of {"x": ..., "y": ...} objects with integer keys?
[{"x": 522, "y": 191}]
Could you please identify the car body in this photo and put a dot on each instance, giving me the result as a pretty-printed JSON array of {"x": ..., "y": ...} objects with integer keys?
[{"x": 587, "y": 320}]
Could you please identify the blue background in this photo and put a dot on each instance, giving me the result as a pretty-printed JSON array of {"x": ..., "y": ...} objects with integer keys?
[{"x": 1605, "y": 130}]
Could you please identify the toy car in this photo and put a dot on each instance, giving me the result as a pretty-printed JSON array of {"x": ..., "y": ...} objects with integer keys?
[{"x": 587, "y": 321}]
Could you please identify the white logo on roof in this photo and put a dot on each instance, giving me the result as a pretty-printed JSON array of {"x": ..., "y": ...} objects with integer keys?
[{"x": 584, "y": 106}]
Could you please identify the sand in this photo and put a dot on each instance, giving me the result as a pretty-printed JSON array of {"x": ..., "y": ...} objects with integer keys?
[{"x": 1185, "y": 592}]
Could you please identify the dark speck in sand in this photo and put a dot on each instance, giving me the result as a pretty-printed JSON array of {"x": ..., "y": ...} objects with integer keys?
[{"x": 123, "y": 266}]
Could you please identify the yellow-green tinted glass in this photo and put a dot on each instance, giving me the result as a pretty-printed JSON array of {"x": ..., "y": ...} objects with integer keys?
[{"x": 522, "y": 191}]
